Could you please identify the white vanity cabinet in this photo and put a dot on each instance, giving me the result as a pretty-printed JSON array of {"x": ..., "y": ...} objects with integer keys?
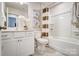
[
  {"x": 8, "y": 44},
  {"x": 17, "y": 43},
  {"x": 25, "y": 44},
  {"x": 30, "y": 42},
  {"x": 24, "y": 48},
  {"x": 9, "y": 47}
]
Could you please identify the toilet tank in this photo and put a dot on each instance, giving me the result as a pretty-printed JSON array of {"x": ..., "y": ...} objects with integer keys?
[{"x": 37, "y": 34}]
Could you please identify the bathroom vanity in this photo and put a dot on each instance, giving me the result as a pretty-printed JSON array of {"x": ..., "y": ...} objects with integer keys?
[{"x": 17, "y": 43}]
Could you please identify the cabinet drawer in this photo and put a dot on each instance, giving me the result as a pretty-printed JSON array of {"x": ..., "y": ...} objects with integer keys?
[
  {"x": 6, "y": 35},
  {"x": 19, "y": 34},
  {"x": 6, "y": 38},
  {"x": 29, "y": 34},
  {"x": 32, "y": 38}
]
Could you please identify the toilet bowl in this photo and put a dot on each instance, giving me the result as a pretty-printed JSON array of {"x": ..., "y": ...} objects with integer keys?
[
  {"x": 41, "y": 45},
  {"x": 42, "y": 41}
]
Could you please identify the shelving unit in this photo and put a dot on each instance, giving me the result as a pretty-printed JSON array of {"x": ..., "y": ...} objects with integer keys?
[{"x": 44, "y": 25}]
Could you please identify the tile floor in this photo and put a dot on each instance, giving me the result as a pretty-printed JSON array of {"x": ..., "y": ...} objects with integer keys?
[{"x": 48, "y": 52}]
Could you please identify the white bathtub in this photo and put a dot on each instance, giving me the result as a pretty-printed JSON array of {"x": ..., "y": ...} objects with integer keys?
[{"x": 67, "y": 46}]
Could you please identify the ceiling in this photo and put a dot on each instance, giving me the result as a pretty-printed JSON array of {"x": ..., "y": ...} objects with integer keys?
[
  {"x": 17, "y": 5},
  {"x": 24, "y": 7}
]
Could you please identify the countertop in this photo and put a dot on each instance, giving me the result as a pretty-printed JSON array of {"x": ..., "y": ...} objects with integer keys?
[{"x": 16, "y": 31}]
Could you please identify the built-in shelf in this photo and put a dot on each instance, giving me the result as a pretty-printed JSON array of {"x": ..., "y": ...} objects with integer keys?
[
  {"x": 45, "y": 26},
  {"x": 45, "y": 17},
  {"x": 45, "y": 22},
  {"x": 44, "y": 34},
  {"x": 45, "y": 10}
]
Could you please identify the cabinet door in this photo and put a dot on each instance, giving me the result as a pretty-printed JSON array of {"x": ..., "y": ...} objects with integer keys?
[
  {"x": 9, "y": 47},
  {"x": 30, "y": 45},
  {"x": 25, "y": 47},
  {"x": 22, "y": 47}
]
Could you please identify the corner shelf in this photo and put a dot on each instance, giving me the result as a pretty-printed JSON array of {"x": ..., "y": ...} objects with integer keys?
[{"x": 44, "y": 24}]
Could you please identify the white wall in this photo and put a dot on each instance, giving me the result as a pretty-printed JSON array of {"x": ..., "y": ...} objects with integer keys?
[
  {"x": 33, "y": 6},
  {"x": 46, "y": 4},
  {"x": 62, "y": 16},
  {"x": 61, "y": 8}
]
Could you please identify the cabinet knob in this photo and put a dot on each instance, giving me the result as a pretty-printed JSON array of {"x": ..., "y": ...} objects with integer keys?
[{"x": 19, "y": 40}]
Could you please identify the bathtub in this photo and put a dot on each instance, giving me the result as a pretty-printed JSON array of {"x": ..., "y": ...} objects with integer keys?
[{"x": 67, "y": 46}]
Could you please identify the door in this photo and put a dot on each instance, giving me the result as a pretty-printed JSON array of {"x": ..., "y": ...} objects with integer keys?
[
  {"x": 26, "y": 47},
  {"x": 22, "y": 47},
  {"x": 30, "y": 45},
  {"x": 9, "y": 47},
  {"x": 0, "y": 43},
  {"x": 0, "y": 29}
]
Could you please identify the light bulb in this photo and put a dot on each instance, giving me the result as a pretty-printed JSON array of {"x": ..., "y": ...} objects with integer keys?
[{"x": 21, "y": 3}]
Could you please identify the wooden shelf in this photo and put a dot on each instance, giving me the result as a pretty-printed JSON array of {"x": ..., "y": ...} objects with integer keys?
[
  {"x": 45, "y": 10},
  {"x": 44, "y": 34},
  {"x": 45, "y": 18},
  {"x": 45, "y": 26}
]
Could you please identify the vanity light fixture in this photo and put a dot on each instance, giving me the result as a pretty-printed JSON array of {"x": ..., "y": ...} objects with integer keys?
[{"x": 21, "y": 3}]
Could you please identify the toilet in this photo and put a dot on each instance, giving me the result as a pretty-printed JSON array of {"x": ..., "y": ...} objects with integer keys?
[{"x": 41, "y": 42}]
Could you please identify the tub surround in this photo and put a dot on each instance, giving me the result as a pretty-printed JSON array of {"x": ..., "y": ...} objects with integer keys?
[
  {"x": 67, "y": 46},
  {"x": 62, "y": 37}
]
